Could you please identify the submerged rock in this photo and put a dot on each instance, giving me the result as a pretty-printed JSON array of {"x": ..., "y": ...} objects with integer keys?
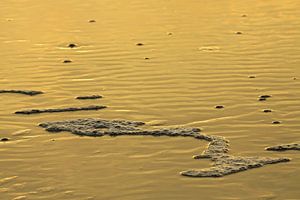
[
  {"x": 217, "y": 149},
  {"x": 52, "y": 110},
  {"x": 26, "y": 92},
  {"x": 89, "y": 97},
  {"x": 284, "y": 147}
]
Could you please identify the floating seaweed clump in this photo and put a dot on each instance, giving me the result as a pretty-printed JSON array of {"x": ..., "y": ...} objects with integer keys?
[
  {"x": 26, "y": 92},
  {"x": 52, "y": 110},
  {"x": 284, "y": 147},
  {"x": 217, "y": 149},
  {"x": 89, "y": 97}
]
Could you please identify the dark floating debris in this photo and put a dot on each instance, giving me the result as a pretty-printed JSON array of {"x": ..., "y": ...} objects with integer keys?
[
  {"x": 72, "y": 45},
  {"x": 284, "y": 147},
  {"x": 244, "y": 15},
  {"x": 52, "y": 110},
  {"x": 92, "y": 21},
  {"x": 169, "y": 33},
  {"x": 139, "y": 44},
  {"x": 264, "y": 97},
  {"x": 146, "y": 58},
  {"x": 67, "y": 61},
  {"x": 251, "y": 76},
  {"x": 276, "y": 122},
  {"x": 238, "y": 33},
  {"x": 219, "y": 107},
  {"x": 216, "y": 151},
  {"x": 4, "y": 139},
  {"x": 26, "y": 92},
  {"x": 267, "y": 110},
  {"x": 89, "y": 97}
]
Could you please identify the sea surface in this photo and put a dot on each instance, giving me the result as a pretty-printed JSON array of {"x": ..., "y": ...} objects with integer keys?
[{"x": 196, "y": 54}]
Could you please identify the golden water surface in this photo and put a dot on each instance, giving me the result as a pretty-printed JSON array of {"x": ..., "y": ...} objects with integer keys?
[{"x": 196, "y": 61}]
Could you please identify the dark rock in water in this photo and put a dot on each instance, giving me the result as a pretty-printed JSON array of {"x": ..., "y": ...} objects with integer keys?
[
  {"x": 238, "y": 33},
  {"x": 92, "y": 21},
  {"x": 139, "y": 44},
  {"x": 4, "y": 139},
  {"x": 72, "y": 45},
  {"x": 267, "y": 110},
  {"x": 265, "y": 96},
  {"x": 89, "y": 97},
  {"x": 284, "y": 147},
  {"x": 67, "y": 61},
  {"x": 276, "y": 122},
  {"x": 52, "y": 110},
  {"x": 262, "y": 99},
  {"x": 219, "y": 106},
  {"x": 217, "y": 149},
  {"x": 26, "y": 92}
]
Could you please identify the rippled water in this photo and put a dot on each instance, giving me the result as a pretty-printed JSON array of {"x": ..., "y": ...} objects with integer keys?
[{"x": 196, "y": 61}]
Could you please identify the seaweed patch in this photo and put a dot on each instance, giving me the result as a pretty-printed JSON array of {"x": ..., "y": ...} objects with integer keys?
[
  {"x": 53, "y": 110},
  {"x": 25, "y": 92},
  {"x": 284, "y": 147},
  {"x": 217, "y": 149}
]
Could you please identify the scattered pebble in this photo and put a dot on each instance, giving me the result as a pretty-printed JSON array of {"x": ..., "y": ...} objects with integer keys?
[
  {"x": 52, "y": 110},
  {"x": 67, "y": 61},
  {"x": 72, "y": 45},
  {"x": 219, "y": 106},
  {"x": 26, "y": 92},
  {"x": 89, "y": 97}
]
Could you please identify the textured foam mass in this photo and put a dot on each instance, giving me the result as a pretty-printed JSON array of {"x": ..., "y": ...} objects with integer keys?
[
  {"x": 26, "y": 92},
  {"x": 217, "y": 149},
  {"x": 52, "y": 110},
  {"x": 284, "y": 147}
]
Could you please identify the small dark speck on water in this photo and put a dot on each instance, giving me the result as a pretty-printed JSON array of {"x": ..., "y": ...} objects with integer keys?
[
  {"x": 295, "y": 78},
  {"x": 267, "y": 110},
  {"x": 238, "y": 33},
  {"x": 219, "y": 107},
  {"x": 170, "y": 33},
  {"x": 72, "y": 45},
  {"x": 67, "y": 61},
  {"x": 252, "y": 76},
  {"x": 4, "y": 139},
  {"x": 146, "y": 58},
  {"x": 244, "y": 15},
  {"x": 276, "y": 122},
  {"x": 139, "y": 44},
  {"x": 92, "y": 21}
]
